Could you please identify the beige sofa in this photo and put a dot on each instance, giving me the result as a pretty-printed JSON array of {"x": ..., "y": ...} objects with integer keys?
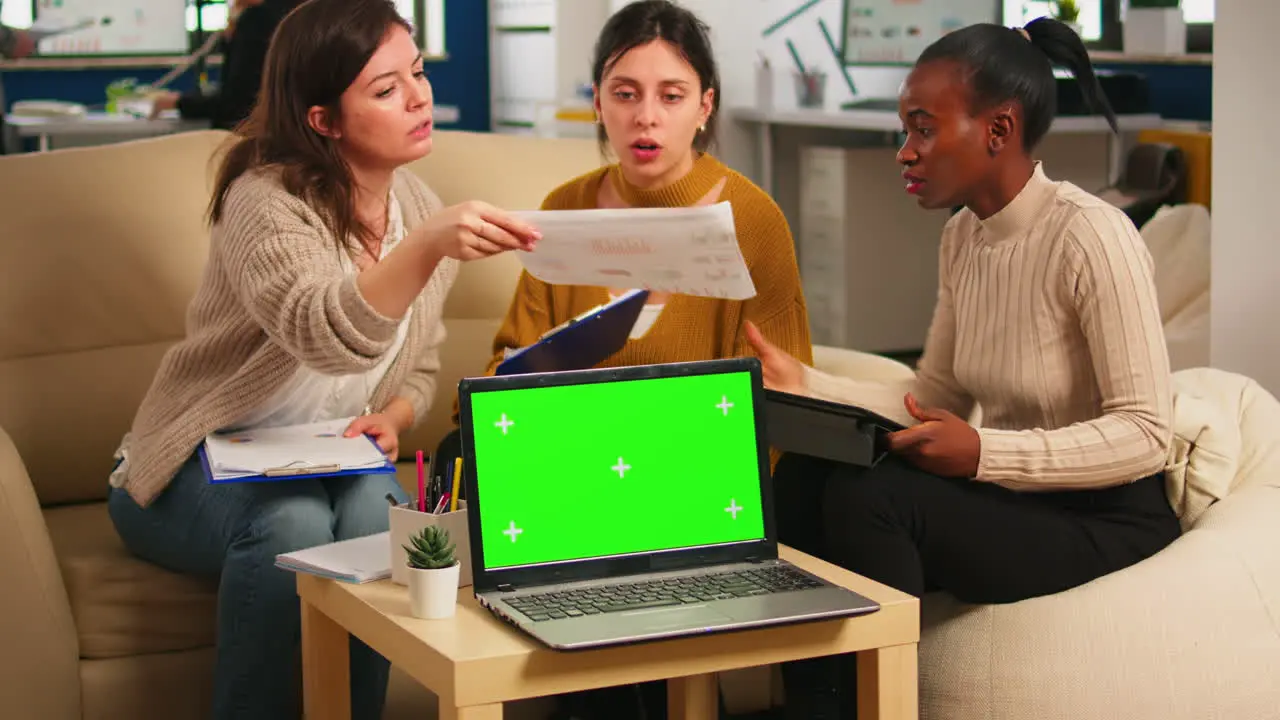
[
  {"x": 103, "y": 247},
  {"x": 1178, "y": 238},
  {"x": 102, "y": 250}
]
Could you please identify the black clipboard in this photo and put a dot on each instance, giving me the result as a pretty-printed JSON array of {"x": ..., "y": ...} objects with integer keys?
[
  {"x": 829, "y": 430},
  {"x": 581, "y": 343}
]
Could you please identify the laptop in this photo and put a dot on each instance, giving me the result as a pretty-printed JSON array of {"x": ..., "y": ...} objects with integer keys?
[{"x": 619, "y": 505}]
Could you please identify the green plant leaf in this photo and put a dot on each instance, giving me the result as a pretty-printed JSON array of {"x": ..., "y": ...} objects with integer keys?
[{"x": 431, "y": 549}]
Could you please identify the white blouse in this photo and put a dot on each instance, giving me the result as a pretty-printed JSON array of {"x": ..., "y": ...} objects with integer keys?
[
  {"x": 648, "y": 316},
  {"x": 310, "y": 396}
]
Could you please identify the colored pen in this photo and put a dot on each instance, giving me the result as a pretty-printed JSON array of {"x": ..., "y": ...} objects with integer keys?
[
  {"x": 446, "y": 480},
  {"x": 422, "y": 486},
  {"x": 444, "y": 500},
  {"x": 457, "y": 478}
]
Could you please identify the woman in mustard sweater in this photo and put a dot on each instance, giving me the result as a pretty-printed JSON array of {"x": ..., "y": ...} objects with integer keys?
[
  {"x": 657, "y": 93},
  {"x": 657, "y": 96}
]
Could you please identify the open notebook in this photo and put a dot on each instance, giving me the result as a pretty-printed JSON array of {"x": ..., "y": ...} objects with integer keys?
[{"x": 358, "y": 560}]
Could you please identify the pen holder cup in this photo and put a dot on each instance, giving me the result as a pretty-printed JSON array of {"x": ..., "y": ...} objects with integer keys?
[
  {"x": 405, "y": 521},
  {"x": 811, "y": 89}
]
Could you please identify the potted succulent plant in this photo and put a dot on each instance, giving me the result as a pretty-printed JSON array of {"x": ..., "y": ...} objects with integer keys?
[
  {"x": 1067, "y": 12},
  {"x": 433, "y": 573}
]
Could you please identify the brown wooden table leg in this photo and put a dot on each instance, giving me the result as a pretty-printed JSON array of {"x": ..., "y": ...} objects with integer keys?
[
  {"x": 326, "y": 669},
  {"x": 474, "y": 712},
  {"x": 888, "y": 684},
  {"x": 693, "y": 698}
]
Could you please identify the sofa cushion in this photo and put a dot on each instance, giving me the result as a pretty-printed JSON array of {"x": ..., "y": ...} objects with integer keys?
[
  {"x": 513, "y": 172},
  {"x": 1224, "y": 437},
  {"x": 122, "y": 605},
  {"x": 1178, "y": 239},
  {"x": 67, "y": 413},
  {"x": 94, "y": 281},
  {"x": 171, "y": 685}
]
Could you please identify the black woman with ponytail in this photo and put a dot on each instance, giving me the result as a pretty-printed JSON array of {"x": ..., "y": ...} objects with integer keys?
[{"x": 1046, "y": 320}]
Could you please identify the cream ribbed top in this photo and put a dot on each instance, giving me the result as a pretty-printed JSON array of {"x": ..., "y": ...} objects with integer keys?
[{"x": 1046, "y": 318}]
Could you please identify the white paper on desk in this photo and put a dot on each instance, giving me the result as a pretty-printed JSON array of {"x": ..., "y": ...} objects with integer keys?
[
  {"x": 691, "y": 251},
  {"x": 254, "y": 452},
  {"x": 39, "y": 31},
  {"x": 358, "y": 560}
]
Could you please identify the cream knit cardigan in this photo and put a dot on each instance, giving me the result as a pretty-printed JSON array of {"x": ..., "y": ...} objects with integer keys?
[{"x": 274, "y": 296}]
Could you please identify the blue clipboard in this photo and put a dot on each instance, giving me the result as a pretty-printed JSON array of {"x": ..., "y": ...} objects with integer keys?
[
  {"x": 293, "y": 473},
  {"x": 581, "y": 343}
]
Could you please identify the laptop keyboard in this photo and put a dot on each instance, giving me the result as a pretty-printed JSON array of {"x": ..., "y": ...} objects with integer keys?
[{"x": 659, "y": 593}]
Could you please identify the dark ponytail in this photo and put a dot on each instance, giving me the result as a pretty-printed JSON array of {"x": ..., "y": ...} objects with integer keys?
[
  {"x": 1064, "y": 48},
  {"x": 1003, "y": 64}
]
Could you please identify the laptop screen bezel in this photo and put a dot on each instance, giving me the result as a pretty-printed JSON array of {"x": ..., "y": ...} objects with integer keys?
[{"x": 486, "y": 580}]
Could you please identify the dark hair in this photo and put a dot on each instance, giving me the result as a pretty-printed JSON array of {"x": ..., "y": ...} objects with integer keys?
[
  {"x": 317, "y": 51},
  {"x": 1002, "y": 65},
  {"x": 644, "y": 21}
]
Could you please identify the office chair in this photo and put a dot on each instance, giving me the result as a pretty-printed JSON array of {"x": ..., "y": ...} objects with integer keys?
[{"x": 1155, "y": 175}]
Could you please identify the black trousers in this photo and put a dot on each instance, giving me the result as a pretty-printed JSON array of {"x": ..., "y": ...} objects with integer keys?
[{"x": 979, "y": 542}]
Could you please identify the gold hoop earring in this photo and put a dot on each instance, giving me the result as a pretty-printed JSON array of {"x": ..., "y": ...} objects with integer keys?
[{"x": 702, "y": 128}]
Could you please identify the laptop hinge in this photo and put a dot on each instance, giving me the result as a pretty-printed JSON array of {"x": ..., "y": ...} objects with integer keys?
[
  {"x": 506, "y": 587},
  {"x": 754, "y": 559}
]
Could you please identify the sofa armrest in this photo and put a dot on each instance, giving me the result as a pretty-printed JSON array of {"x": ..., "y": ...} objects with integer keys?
[
  {"x": 1192, "y": 632},
  {"x": 860, "y": 365},
  {"x": 39, "y": 653}
]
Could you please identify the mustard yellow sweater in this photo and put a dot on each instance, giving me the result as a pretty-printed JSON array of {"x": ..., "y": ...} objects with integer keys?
[{"x": 688, "y": 328}]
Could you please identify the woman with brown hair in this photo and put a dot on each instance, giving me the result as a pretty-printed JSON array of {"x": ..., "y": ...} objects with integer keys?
[{"x": 328, "y": 268}]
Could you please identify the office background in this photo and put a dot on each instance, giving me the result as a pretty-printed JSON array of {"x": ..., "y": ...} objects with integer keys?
[{"x": 1179, "y": 91}]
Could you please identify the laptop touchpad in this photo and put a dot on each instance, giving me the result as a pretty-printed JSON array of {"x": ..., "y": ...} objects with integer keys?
[{"x": 678, "y": 617}]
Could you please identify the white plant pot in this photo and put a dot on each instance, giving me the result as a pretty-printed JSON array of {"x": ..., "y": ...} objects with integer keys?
[
  {"x": 433, "y": 594},
  {"x": 1155, "y": 31}
]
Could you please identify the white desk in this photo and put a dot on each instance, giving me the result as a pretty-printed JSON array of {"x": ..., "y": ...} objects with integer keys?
[
  {"x": 885, "y": 121},
  {"x": 119, "y": 126},
  {"x": 108, "y": 126}
]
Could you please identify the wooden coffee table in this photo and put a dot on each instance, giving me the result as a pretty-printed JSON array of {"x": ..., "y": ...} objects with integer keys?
[{"x": 474, "y": 662}]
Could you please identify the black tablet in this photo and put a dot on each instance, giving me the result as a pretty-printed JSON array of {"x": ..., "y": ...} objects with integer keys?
[{"x": 829, "y": 430}]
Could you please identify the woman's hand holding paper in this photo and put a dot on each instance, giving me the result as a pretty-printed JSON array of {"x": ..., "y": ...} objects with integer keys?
[{"x": 474, "y": 230}]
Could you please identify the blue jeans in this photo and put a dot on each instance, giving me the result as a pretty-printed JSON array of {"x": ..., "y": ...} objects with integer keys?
[{"x": 234, "y": 532}]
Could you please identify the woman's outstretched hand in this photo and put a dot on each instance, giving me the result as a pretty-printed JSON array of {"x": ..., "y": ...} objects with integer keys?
[
  {"x": 942, "y": 444},
  {"x": 781, "y": 371},
  {"x": 474, "y": 230}
]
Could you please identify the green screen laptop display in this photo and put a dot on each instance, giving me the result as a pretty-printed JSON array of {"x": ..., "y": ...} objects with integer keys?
[{"x": 604, "y": 469}]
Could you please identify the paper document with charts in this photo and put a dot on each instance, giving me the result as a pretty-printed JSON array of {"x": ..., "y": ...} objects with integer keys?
[
  {"x": 691, "y": 251},
  {"x": 291, "y": 452}
]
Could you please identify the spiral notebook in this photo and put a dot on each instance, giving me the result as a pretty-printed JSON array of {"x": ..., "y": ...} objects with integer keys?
[{"x": 291, "y": 452}]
